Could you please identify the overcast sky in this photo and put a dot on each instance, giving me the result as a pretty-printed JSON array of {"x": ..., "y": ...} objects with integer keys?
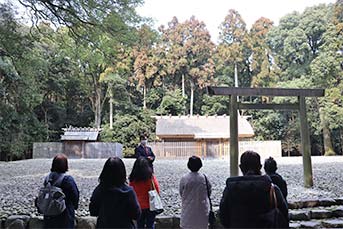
[{"x": 213, "y": 12}]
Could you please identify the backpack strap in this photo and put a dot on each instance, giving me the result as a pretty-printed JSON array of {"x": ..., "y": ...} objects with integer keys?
[
  {"x": 272, "y": 196},
  {"x": 59, "y": 180}
]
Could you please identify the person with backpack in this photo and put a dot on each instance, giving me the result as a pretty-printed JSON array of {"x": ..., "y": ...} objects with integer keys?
[
  {"x": 251, "y": 200},
  {"x": 195, "y": 191},
  {"x": 59, "y": 198},
  {"x": 113, "y": 201},
  {"x": 143, "y": 180},
  {"x": 270, "y": 168}
]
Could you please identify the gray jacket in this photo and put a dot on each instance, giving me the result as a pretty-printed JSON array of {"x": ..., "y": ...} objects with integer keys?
[{"x": 195, "y": 204}]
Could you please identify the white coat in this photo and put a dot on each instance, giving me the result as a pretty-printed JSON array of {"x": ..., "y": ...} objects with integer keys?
[{"x": 195, "y": 203}]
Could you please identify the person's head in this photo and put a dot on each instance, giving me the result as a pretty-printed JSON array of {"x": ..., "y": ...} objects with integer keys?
[
  {"x": 194, "y": 163},
  {"x": 250, "y": 163},
  {"x": 59, "y": 163},
  {"x": 113, "y": 173},
  {"x": 141, "y": 170},
  {"x": 143, "y": 139},
  {"x": 270, "y": 165}
]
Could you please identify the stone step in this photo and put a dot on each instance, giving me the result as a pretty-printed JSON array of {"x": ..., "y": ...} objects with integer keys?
[
  {"x": 316, "y": 213},
  {"x": 324, "y": 202},
  {"x": 326, "y": 223}
]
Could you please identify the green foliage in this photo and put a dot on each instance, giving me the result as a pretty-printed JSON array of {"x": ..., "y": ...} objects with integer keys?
[
  {"x": 127, "y": 129},
  {"x": 215, "y": 105},
  {"x": 172, "y": 103}
]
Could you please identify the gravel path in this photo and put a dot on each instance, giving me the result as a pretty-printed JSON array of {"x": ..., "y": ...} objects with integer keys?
[{"x": 20, "y": 180}]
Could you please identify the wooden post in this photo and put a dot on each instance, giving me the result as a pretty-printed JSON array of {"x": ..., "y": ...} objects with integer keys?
[
  {"x": 233, "y": 136},
  {"x": 305, "y": 143}
]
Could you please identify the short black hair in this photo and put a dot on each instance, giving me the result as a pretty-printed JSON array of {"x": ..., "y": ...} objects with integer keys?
[
  {"x": 143, "y": 137},
  {"x": 270, "y": 165},
  {"x": 59, "y": 163},
  {"x": 194, "y": 163},
  {"x": 113, "y": 173},
  {"x": 141, "y": 170},
  {"x": 250, "y": 163}
]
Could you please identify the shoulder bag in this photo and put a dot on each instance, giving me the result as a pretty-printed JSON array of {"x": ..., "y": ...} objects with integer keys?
[
  {"x": 155, "y": 202},
  {"x": 211, "y": 215}
]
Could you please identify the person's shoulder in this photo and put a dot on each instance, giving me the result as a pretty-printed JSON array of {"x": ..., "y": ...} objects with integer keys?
[
  {"x": 259, "y": 180},
  {"x": 68, "y": 178}
]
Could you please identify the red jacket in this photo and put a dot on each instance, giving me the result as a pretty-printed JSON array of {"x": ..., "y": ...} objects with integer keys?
[{"x": 142, "y": 188}]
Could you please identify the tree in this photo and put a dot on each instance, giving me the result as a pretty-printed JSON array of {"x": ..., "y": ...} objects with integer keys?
[
  {"x": 84, "y": 15},
  {"x": 234, "y": 48},
  {"x": 146, "y": 68},
  {"x": 264, "y": 71},
  {"x": 188, "y": 57},
  {"x": 18, "y": 92}
]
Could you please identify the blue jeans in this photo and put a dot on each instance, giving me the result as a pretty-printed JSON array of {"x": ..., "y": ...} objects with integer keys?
[{"x": 147, "y": 219}]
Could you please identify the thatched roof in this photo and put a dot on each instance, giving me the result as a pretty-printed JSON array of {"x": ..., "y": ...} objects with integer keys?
[
  {"x": 80, "y": 134},
  {"x": 200, "y": 127}
]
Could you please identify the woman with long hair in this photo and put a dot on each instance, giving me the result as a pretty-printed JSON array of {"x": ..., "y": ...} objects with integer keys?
[
  {"x": 113, "y": 201},
  {"x": 143, "y": 180}
]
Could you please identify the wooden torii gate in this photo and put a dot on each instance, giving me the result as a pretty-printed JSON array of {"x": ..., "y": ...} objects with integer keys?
[{"x": 233, "y": 92}]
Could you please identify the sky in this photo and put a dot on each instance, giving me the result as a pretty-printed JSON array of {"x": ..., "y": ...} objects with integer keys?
[{"x": 213, "y": 12}]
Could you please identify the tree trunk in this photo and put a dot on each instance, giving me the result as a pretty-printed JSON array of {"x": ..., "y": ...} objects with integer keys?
[
  {"x": 97, "y": 113},
  {"x": 328, "y": 148},
  {"x": 236, "y": 79},
  {"x": 144, "y": 96},
  {"x": 236, "y": 76},
  {"x": 111, "y": 106},
  {"x": 183, "y": 85},
  {"x": 192, "y": 97},
  {"x": 45, "y": 111}
]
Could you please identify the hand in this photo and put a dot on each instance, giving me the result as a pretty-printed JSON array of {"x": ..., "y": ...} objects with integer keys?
[{"x": 150, "y": 158}]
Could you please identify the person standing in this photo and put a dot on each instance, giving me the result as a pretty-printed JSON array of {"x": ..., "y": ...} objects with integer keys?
[
  {"x": 113, "y": 202},
  {"x": 143, "y": 180},
  {"x": 193, "y": 191},
  {"x": 67, "y": 184},
  {"x": 248, "y": 199},
  {"x": 143, "y": 150},
  {"x": 270, "y": 168}
]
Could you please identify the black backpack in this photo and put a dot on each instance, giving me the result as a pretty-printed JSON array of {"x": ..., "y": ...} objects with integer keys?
[{"x": 51, "y": 199}]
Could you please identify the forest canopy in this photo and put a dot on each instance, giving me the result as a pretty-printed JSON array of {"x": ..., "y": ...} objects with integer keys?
[{"x": 98, "y": 63}]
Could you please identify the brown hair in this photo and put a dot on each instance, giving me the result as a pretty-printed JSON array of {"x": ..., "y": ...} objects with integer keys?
[{"x": 59, "y": 163}]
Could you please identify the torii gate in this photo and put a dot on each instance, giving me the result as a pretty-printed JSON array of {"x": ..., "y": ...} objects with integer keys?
[{"x": 233, "y": 92}]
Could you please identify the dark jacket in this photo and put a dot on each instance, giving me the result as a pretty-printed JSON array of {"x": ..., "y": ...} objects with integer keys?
[
  {"x": 115, "y": 207},
  {"x": 66, "y": 219},
  {"x": 141, "y": 151},
  {"x": 245, "y": 199},
  {"x": 280, "y": 182}
]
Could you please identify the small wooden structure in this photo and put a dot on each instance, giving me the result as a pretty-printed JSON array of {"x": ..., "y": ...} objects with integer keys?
[
  {"x": 74, "y": 140},
  {"x": 233, "y": 92},
  {"x": 205, "y": 136}
]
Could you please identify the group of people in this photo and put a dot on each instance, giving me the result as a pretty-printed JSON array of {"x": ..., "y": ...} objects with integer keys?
[{"x": 117, "y": 204}]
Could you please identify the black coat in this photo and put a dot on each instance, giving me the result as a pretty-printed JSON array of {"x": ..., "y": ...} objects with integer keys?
[
  {"x": 115, "y": 207},
  {"x": 141, "y": 151},
  {"x": 66, "y": 219},
  {"x": 245, "y": 199},
  {"x": 280, "y": 182}
]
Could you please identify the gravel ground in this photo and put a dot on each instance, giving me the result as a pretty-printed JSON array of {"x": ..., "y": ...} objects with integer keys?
[{"x": 20, "y": 180}]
